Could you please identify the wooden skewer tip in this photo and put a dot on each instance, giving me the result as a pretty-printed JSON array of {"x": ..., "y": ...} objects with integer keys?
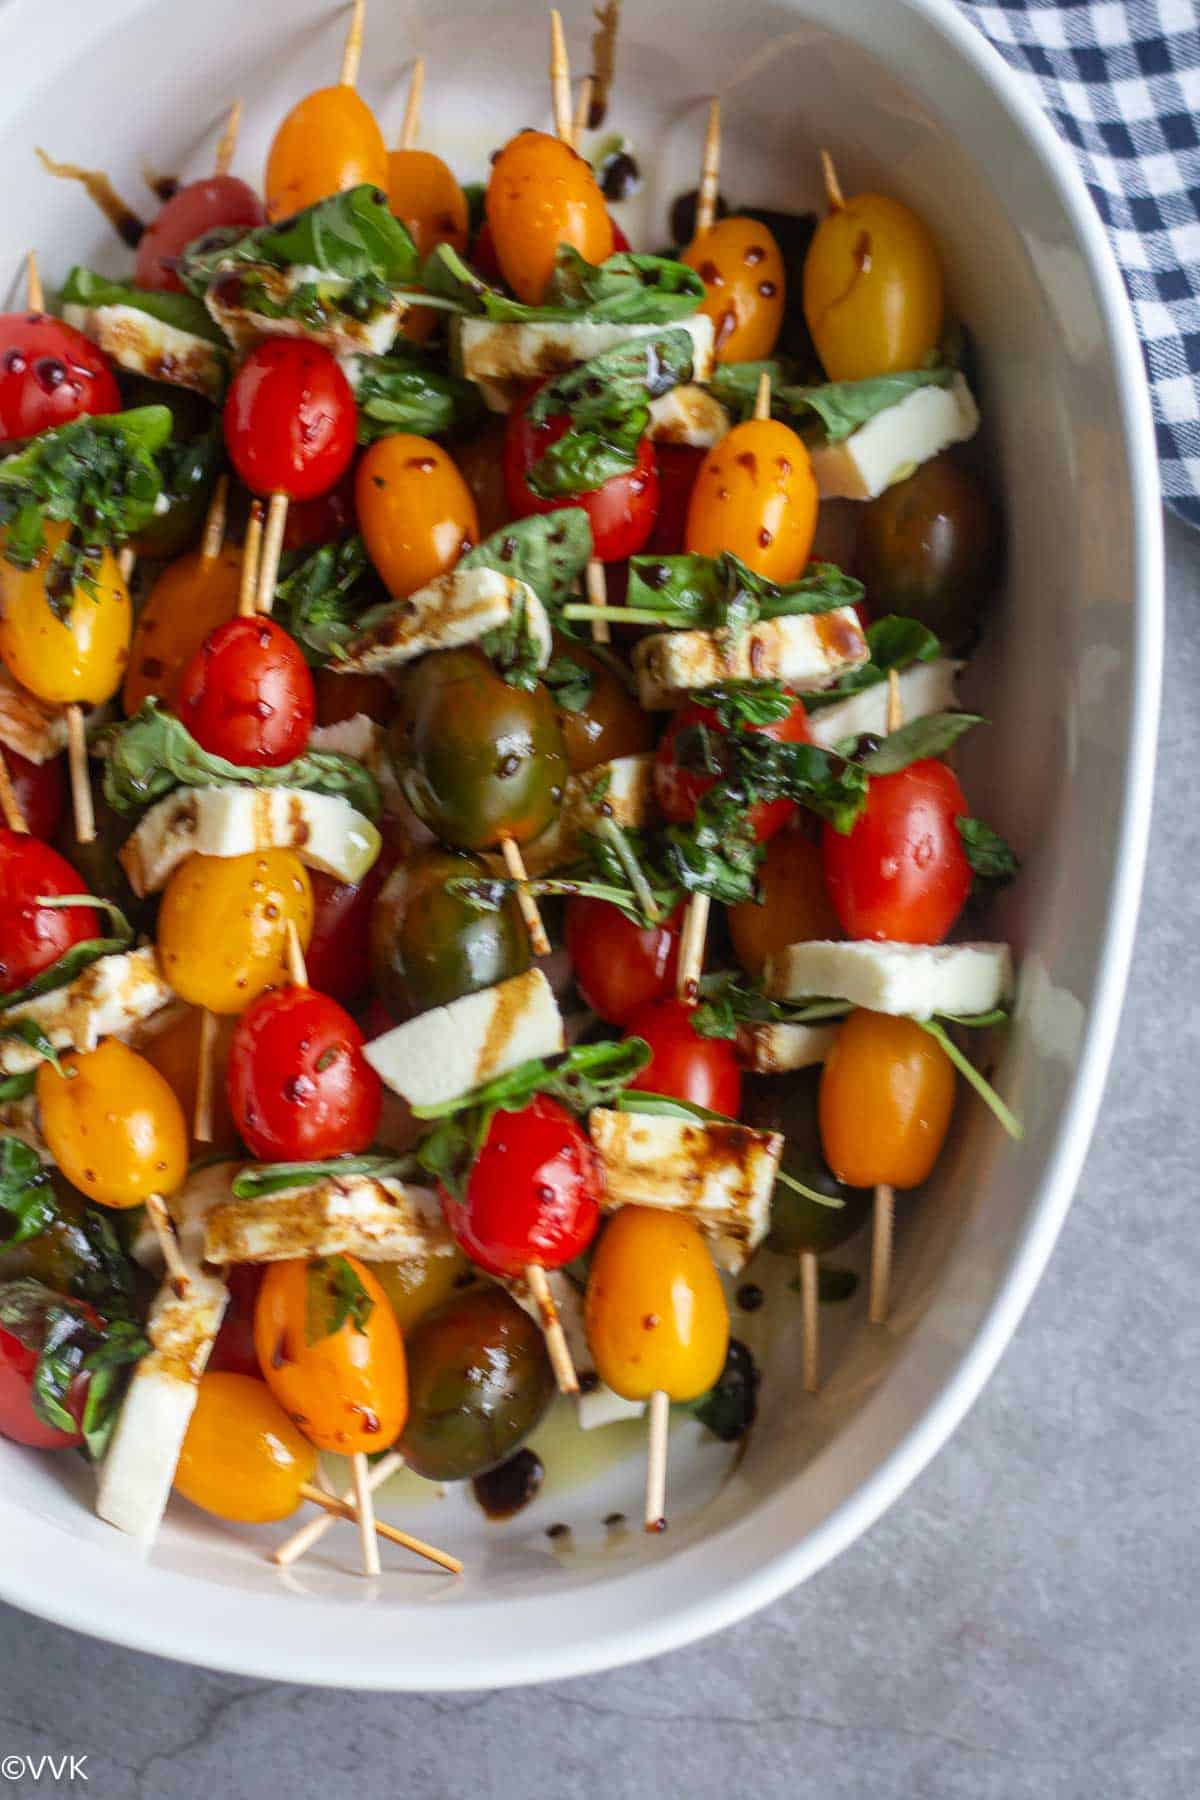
[
  {"x": 35, "y": 296},
  {"x": 656, "y": 1462},
  {"x": 597, "y": 593},
  {"x": 251, "y": 550},
  {"x": 164, "y": 1231},
  {"x": 412, "y": 110},
  {"x": 81, "y": 783},
  {"x": 202, "y": 1121},
  {"x": 352, "y": 54},
  {"x": 560, "y": 81},
  {"x": 556, "y": 1342},
  {"x": 514, "y": 862},
  {"x": 303, "y": 1540},
  {"x": 583, "y": 107},
  {"x": 337, "y": 1510},
  {"x": 10, "y": 806},
  {"x": 227, "y": 144},
  {"x": 881, "y": 1254},
  {"x": 272, "y": 550},
  {"x": 710, "y": 170},
  {"x": 810, "y": 1321},
  {"x": 834, "y": 197},
  {"x": 691, "y": 947},
  {"x": 762, "y": 397},
  {"x": 215, "y": 521}
]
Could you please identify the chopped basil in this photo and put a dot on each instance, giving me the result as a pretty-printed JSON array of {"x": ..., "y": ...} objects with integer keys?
[
  {"x": 628, "y": 289},
  {"x": 335, "y": 1297},
  {"x": 322, "y": 598},
  {"x": 351, "y": 236},
  {"x": 83, "y": 287},
  {"x": 27, "y": 1201},
  {"x": 991, "y": 858},
  {"x": 547, "y": 551},
  {"x": 920, "y": 738},
  {"x": 259, "y": 1180},
  {"x": 693, "y": 592},
  {"x": 68, "y": 1343},
  {"x": 404, "y": 391},
  {"x": 71, "y": 963}
]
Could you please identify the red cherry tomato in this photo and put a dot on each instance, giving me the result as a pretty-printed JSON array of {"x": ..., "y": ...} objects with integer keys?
[
  {"x": 31, "y": 936},
  {"x": 483, "y": 254},
  {"x": 248, "y": 694},
  {"x": 233, "y": 1348},
  {"x": 320, "y": 521},
  {"x": 195, "y": 210},
  {"x": 21, "y": 1343},
  {"x": 621, "y": 512},
  {"x": 684, "y": 1065},
  {"x": 620, "y": 242},
  {"x": 679, "y": 789},
  {"x": 620, "y": 966},
  {"x": 299, "y": 1087},
  {"x": 40, "y": 789},
  {"x": 49, "y": 375},
  {"x": 290, "y": 419},
  {"x": 533, "y": 1195},
  {"x": 902, "y": 874},
  {"x": 339, "y": 952},
  {"x": 677, "y": 468}
]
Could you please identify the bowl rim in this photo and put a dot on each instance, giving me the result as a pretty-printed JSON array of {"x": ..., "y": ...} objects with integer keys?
[{"x": 329, "y": 1659}]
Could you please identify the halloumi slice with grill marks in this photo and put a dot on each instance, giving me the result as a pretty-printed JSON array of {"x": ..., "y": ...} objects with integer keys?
[
  {"x": 895, "y": 442},
  {"x": 148, "y": 346},
  {"x": 454, "y": 609},
  {"x": 106, "y": 999},
  {"x": 912, "y": 981},
  {"x": 340, "y": 1215},
  {"x": 802, "y": 649},
  {"x": 925, "y": 688},
  {"x": 324, "y": 830},
  {"x": 502, "y": 356},
  {"x": 776, "y": 1048},
  {"x": 446, "y": 1052}
]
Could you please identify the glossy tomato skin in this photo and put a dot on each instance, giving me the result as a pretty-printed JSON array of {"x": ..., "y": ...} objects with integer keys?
[
  {"x": 679, "y": 789},
  {"x": 49, "y": 374},
  {"x": 242, "y": 1457},
  {"x": 414, "y": 510},
  {"x": 873, "y": 289},
  {"x": 192, "y": 597},
  {"x": 621, "y": 512},
  {"x": 339, "y": 953},
  {"x": 329, "y": 141},
  {"x": 533, "y": 1195},
  {"x": 32, "y": 937},
  {"x": 40, "y": 789},
  {"x": 314, "y": 522},
  {"x": 248, "y": 695},
  {"x": 755, "y": 494},
  {"x": 20, "y": 1348},
  {"x": 299, "y": 1087},
  {"x": 233, "y": 1348},
  {"x": 678, "y": 466},
  {"x": 684, "y": 1065},
  {"x": 542, "y": 194},
  {"x": 742, "y": 268},
  {"x": 902, "y": 874},
  {"x": 197, "y": 208},
  {"x": 290, "y": 419},
  {"x": 620, "y": 966}
]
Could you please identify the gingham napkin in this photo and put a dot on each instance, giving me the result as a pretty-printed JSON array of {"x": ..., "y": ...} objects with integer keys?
[{"x": 1121, "y": 80}]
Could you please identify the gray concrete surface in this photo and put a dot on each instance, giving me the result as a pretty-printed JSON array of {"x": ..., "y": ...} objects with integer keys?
[{"x": 1021, "y": 1626}]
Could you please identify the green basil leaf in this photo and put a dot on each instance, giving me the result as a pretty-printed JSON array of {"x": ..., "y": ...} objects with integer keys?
[
  {"x": 666, "y": 1106},
  {"x": 571, "y": 684},
  {"x": 990, "y": 857},
  {"x": 30, "y": 1033},
  {"x": 321, "y": 599},
  {"x": 547, "y": 551},
  {"x": 727, "y": 1004},
  {"x": 705, "y": 593},
  {"x": 153, "y": 753},
  {"x": 336, "y": 1296},
  {"x": 738, "y": 703},
  {"x": 67, "y": 1344},
  {"x": 27, "y": 1199},
  {"x": 983, "y": 1087},
  {"x": 735, "y": 385},
  {"x": 515, "y": 647},
  {"x": 842, "y": 406},
  {"x": 83, "y": 287},
  {"x": 894, "y": 643},
  {"x": 607, "y": 401},
  {"x": 17, "y": 1087},
  {"x": 931, "y": 736},
  {"x": 73, "y": 961},
  {"x": 399, "y": 392},
  {"x": 108, "y": 1367},
  {"x": 349, "y": 236},
  {"x": 259, "y": 1180},
  {"x": 628, "y": 289}
]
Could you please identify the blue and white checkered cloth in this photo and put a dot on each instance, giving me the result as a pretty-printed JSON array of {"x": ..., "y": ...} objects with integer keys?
[{"x": 1121, "y": 80}]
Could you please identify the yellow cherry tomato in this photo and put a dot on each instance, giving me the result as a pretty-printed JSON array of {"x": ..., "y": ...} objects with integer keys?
[
  {"x": 740, "y": 264},
  {"x": 222, "y": 925},
  {"x": 77, "y": 660},
  {"x": 329, "y": 141},
  {"x": 113, "y": 1125},
  {"x": 755, "y": 494},
  {"x": 344, "y": 1384},
  {"x": 542, "y": 194},
  {"x": 242, "y": 1457},
  {"x": 426, "y": 198},
  {"x": 191, "y": 597},
  {"x": 415, "y": 1287},
  {"x": 887, "y": 1092},
  {"x": 175, "y": 1053},
  {"x": 415, "y": 511},
  {"x": 655, "y": 1312},
  {"x": 795, "y": 903},
  {"x": 873, "y": 290}
]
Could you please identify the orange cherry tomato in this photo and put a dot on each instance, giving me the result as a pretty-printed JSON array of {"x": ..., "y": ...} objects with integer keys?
[
  {"x": 426, "y": 198},
  {"x": 795, "y": 903},
  {"x": 222, "y": 925},
  {"x": 655, "y": 1312},
  {"x": 887, "y": 1092},
  {"x": 873, "y": 290},
  {"x": 193, "y": 595},
  {"x": 542, "y": 194},
  {"x": 113, "y": 1125},
  {"x": 345, "y": 1384},
  {"x": 612, "y": 723},
  {"x": 755, "y": 494},
  {"x": 76, "y": 660},
  {"x": 329, "y": 141},
  {"x": 415, "y": 511},
  {"x": 740, "y": 264},
  {"x": 242, "y": 1457}
]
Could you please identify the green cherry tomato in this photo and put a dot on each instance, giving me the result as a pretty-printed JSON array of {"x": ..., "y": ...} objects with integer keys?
[
  {"x": 429, "y": 946},
  {"x": 929, "y": 549},
  {"x": 798, "y": 1223},
  {"x": 479, "y": 1380},
  {"x": 478, "y": 759}
]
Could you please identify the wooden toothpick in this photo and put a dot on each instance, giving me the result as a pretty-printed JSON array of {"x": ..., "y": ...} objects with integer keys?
[
  {"x": 272, "y": 550},
  {"x": 202, "y": 1121},
  {"x": 656, "y": 1461},
  {"x": 556, "y": 1339},
  {"x": 352, "y": 54},
  {"x": 583, "y": 107},
  {"x": 35, "y": 297},
  {"x": 762, "y": 397},
  {"x": 341, "y": 1510},
  {"x": 810, "y": 1314},
  {"x": 227, "y": 145},
  {"x": 81, "y": 782},
  {"x": 168, "y": 1243},
  {"x": 604, "y": 57},
  {"x": 691, "y": 947},
  {"x": 296, "y": 967},
  {"x": 560, "y": 81},
  {"x": 881, "y": 1253},
  {"x": 251, "y": 550},
  {"x": 710, "y": 170},
  {"x": 597, "y": 593},
  {"x": 834, "y": 198},
  {"x": 10, "y": 806},
  {"x": 302, "y": 1541},
  {"x": 214, "y": 522},
  {"x": 514, "y": 862},
  {"x": 412, "y": 110}
]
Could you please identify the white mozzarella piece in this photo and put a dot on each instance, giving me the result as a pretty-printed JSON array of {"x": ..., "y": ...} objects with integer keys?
[
  {"x": 341, "y": 333},
  {"x": 361, "y": 738},
  {"x": 458, "y": 608},
  {"x": 148, "y": 346},
  {"x": 778, "y": 1048},
  {"x": 688, "y": 415},
  {"x": 324, "y": 830},
  {"x": 502, "y": 356},
  {"x": 106, "y": 1000},
  {"x": 340, "y": 1215},
  {"x": 595, "y": 1404},
  {"x": 445, "y": 1052},
  {"x": 895, "y": 442},
  {"x": 721, "y": 1176},
  {"x": 913, "y": 981},
  {"x": 802, "y": 649},
  {"x": 135, "y": 1478},
  {"x": 925, "y": 688}
]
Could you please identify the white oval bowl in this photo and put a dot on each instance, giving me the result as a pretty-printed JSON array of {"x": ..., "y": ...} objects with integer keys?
[{"x": 910, "y": 99}]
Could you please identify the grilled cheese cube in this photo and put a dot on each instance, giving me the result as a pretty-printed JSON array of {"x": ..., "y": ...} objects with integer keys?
[
  {"x": 340, "y": 333},
  {"x": 148, "y": 346},
  {"x": 912, "y": 981},
  {"x": 204, "y": 1189},
  {"x": 805, "y": 650},
  {"x": 340, "y": 1215},
  {"x": 139, "y": 1466},
  {"x": 621, "y": 790},
  {"x": 28, "y": 725},
  {"x": 595, "y": 1404},
  {"x": 895, "y": 442},
  {"x": 688, "y": 415},
  {"x": 501, "y": 357},
  {"x": 721, "y": 1176},
  {"x": 324, "y": 830},
  {"x": 446, "y": 1052},
  {"x": 458, "y": 608},
  {"x": 925, "y": 688},
  {"x": 107, "y": 999},
  {"x": 778, "y": 1048}
]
